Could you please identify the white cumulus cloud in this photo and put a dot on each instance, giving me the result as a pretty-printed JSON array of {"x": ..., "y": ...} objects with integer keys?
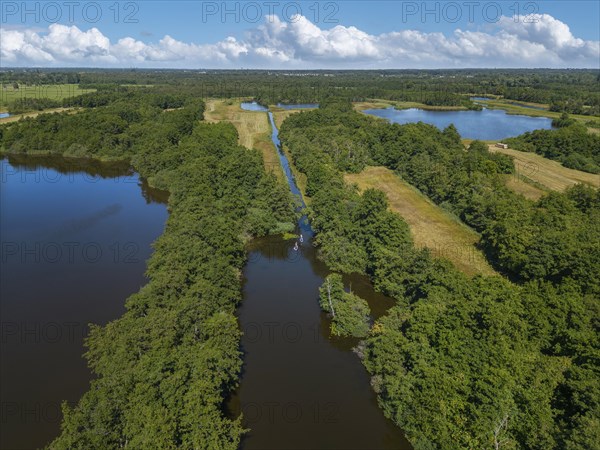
[{"x": 533, "y": 41}]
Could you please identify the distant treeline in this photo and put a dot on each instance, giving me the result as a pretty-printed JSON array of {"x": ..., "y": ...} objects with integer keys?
[
  {"x": 573, "y": 91},
  {"x": 459, "y": 362},
  {"x": 111, "y": 131},
  {"x": 163, "y": 370},
  {"x": 165, "y": 97},
  {"x": 23, "y": 105}
]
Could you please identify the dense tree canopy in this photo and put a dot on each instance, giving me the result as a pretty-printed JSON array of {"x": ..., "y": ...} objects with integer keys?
[
  {"x": 552, "y": 239},
  {"x": 497, "y": 362},
  {"x": 573, "y": 91},
  {"x": 571, "y": 145},
  {"x": 459, "y": 362},
  {"x": 349, "y": 313},
  {"x": 163, "y": 370}
]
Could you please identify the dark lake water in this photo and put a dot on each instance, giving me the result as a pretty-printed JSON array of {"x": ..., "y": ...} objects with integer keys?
[
  {"x": 301, "y": 389},
  {"x": 488, "y": 124},
  {"x": 75, "y": 240}
]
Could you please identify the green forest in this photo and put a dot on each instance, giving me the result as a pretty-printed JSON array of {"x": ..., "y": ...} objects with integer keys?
[
  {"x": 572, "y": 91},
  {"x": 487, "y": 362},
  {"x": 163, "y": 370},
  {"x": 570, "y": 144},
  {"x": 507, "y": 361},
  {"x": 349, "y": 312}
]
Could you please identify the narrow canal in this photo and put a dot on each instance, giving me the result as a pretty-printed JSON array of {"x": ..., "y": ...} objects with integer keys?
[{"x": 301, "y": 389}]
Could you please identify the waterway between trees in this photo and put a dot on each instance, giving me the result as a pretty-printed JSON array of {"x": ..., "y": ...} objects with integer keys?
[{"x": 300, "y": 388}]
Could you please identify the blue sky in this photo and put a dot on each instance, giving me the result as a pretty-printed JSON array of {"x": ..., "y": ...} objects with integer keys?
[
  {"x": 345, "y": 34},
  {"x": 184, "y": 19}
]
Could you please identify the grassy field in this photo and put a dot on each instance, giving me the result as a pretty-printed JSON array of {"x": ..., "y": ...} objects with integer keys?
[
  {"x": 52, "y": 91},
  {"x": 253, "y": 128},
  {"x": 526, "y": 104},
  {"x": 372, "y": 104},
  {"x": 280, "y": 114},
  {"x": 430, "y": 226},
  {"x": 382, "y": 104},
  {"x": 548, "y": 173},
  {"x": 523, "y": 187},
  {"x": 36, "y": 113},
  {"x": 408, "y": 105}
]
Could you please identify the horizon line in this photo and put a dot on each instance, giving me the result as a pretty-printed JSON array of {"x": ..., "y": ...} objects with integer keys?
[{"x": 288, "y": 70}]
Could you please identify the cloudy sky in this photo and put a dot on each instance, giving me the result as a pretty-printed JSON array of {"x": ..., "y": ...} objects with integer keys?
[{"x": 300, "y": 35}]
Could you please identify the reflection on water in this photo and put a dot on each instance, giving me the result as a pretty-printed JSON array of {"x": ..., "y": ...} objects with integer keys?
[
  {"x": 75, "y": 239},
  {"x": 51, "y": 168},
  {"x": 487, "y": 124},
  {"x": 46, "y": 164},
  {"x": 300, "y": 388}
]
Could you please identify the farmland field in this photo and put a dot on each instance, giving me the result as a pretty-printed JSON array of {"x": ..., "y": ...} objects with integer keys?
[{"x": 53, "y": 92}]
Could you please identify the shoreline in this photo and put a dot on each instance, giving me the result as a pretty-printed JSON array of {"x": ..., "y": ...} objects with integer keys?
[{"x": 511, "y": 107}]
